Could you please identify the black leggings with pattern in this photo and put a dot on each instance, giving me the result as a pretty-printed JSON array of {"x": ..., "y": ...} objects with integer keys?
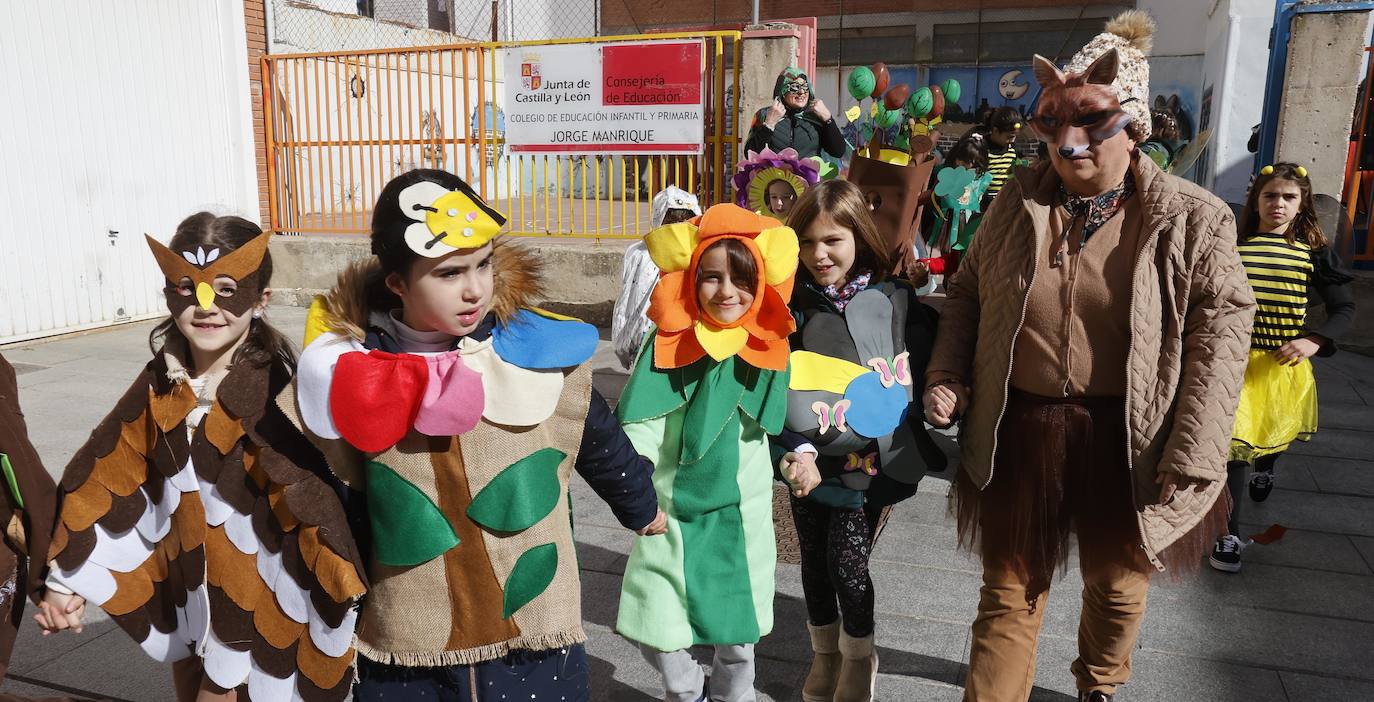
[{"x": 835, "y": 545}]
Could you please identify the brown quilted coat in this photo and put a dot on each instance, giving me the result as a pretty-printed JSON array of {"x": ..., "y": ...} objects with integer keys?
[{"x": 1191, "y": 313}]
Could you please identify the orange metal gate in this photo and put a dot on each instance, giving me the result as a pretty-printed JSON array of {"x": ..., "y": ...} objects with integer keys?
[{"x": 341, "y": 124}]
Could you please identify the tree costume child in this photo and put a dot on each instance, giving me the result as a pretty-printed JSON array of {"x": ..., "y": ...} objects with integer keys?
[
  {"x": 701, "y": 403},
  {"x": 455, "y": 412},
  {"x": 196, "y": 515}
]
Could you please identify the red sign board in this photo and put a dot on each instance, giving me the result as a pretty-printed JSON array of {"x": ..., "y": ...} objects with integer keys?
[{"x": 641, "y": 75}]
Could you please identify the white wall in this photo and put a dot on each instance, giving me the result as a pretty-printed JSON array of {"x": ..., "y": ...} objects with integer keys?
[
  {"x": 1237, "y": 53},
  {"x": 141, "y": 117}
]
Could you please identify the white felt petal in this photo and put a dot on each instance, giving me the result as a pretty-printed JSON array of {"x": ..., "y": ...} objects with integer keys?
[
  {"x": 239, "y": 528},
  {"x": 185, "y": 480},
  {"x": 294, "y": 601},
  {"x": 332, "y": 642},
  {"x": 121, "y": 552},
  {"x": 514, "y": 396},
  {"x": 416, "y": 196},
  {"x": 227, "y": 667},
  {"x": 164, "y": 648},
  {"x": 92, "y": 581},
  {"x": 262, "y": 686},
  {"x": 314, "y": 376},
  {"x": 216, "y": 509},
  {"x": 269, "y": 567},
  {"x": 193, "y": 620},
  {"x": 156, "y": 522}
]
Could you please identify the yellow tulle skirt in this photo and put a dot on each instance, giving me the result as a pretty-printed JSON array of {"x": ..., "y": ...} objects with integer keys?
[{"x": 1278, "y": 405}]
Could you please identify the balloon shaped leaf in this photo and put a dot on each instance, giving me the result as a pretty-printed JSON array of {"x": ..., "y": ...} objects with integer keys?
[{"x": 861, "y": 82}]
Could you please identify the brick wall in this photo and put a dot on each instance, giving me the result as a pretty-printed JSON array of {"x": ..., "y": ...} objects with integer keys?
[
  {"x": 255, "y": 19},
  {"x": 655, "y": 13}
]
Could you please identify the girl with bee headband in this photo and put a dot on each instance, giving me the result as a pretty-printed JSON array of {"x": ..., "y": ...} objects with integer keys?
[{"x": 1287, "y": 258}]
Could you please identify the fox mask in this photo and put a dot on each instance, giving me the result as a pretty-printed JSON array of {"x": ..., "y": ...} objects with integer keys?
[{"x": 1078, "y": 110}]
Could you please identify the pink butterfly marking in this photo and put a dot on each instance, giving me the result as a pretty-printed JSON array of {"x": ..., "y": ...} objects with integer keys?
[
  {"x": 886, "y": 373},
  {"x": 828, "y": 415}
]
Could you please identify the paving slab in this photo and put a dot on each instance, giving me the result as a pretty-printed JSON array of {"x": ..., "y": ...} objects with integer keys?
[{"x": 1293, "y": 626}]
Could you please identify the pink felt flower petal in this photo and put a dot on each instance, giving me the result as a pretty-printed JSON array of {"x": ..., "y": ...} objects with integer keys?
[{"x": 453, "y": 399}]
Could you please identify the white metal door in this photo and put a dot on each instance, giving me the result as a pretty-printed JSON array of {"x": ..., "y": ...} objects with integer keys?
[{"x": 117, "y": 117}]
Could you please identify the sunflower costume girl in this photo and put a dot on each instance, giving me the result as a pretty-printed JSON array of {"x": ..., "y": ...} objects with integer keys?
[
  {"x": 701, "y": 403},
  {"x": 758, "y": 171}
]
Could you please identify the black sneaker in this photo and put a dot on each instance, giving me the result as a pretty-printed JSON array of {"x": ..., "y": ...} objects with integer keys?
[
  {"x": 1094, "y": 696},
  {"x": 1226, "y": 554},
  {"x": 1261, "y": 484}
]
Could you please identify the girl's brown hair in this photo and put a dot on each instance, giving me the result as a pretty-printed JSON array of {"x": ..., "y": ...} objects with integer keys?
[
  {"x": 845, "y": 204},
  {"x": 264, "y": 343},
  {"x": 1305, "y": 226},
  {"x": 744, "y": 271}
]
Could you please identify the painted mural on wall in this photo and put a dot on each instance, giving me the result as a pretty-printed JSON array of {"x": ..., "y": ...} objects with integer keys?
[{"x": 987, "y": 88}]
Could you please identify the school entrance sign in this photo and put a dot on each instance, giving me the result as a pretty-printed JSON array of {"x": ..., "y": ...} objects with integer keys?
[{"x": 621, "y": 98}]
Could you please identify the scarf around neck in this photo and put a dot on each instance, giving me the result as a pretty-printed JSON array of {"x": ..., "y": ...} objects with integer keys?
[{"x": 842, "y": 295}]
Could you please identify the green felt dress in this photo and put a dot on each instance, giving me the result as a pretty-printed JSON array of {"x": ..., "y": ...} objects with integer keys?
[{"x": 705, "y": 426}]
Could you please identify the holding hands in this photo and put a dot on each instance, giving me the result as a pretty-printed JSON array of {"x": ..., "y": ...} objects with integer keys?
[
  {"x": 656, "y": 527},
  {"x": 800, "y": 472},
  {"x": 60, "y": 611},
  {"x": 944, "y": 402}
]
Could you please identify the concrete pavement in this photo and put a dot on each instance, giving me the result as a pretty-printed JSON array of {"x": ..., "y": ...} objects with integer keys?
[{"x": 1297, "y": 625}]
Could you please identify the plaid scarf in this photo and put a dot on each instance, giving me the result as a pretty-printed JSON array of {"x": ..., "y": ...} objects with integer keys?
[
  {"x": 1094, "y": 211},
  {"x": 841, "y": 296}
]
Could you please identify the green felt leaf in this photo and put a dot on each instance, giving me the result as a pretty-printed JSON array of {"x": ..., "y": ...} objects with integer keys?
[
  {"x": 12, "y": 480},
  {"x": 765, "y": 399},
  {"x": 407, "y": 528},
  {"x": 530, "y": 577},
  {"x": 522, "y": 494},
  {"x": 653, "y": 393},
  {"x": 713, "y": 404}
]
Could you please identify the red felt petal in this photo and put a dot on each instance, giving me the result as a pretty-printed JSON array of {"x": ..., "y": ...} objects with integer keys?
[
  {"x": 773, "y": 322},
  {"x": 375, "y": 396},
  {"x": 669, "y": 307}
]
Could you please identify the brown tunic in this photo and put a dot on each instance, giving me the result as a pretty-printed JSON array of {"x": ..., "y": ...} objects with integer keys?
[{"x": 1076, "y": 335}]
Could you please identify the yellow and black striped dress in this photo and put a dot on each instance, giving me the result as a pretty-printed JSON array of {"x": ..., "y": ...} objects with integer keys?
[
  {"x": 1278, "y": 403},
  {"x": 1000, "y": 165}
]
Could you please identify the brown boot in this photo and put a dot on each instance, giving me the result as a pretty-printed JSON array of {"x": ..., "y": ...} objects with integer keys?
[
  {"x": 858, "y": 671},
  {"x": 825, "y": 666}
]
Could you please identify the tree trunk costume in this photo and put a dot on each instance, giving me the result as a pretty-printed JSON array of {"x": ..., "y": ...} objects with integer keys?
[
  {"x": 702, "y": 401},
  {"x": 1092, "y": 374},
  {"x": 226, "y": 541},
  {"x": 458, "y": 463}
]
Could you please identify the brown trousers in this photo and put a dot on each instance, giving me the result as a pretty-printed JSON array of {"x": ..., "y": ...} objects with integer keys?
[{"x": 1061, "y": 468}]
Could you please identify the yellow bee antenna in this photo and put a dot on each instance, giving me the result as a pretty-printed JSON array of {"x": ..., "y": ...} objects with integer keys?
[
  {"x": 1267, "y": 170},
  {"x": 1302, "y": 172}
]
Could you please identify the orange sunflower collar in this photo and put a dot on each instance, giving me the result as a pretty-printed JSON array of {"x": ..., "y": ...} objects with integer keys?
[{"x": 685, "y": 334}]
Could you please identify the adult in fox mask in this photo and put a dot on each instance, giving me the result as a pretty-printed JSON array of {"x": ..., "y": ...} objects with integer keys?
[{"x": 1093, "y": 341}]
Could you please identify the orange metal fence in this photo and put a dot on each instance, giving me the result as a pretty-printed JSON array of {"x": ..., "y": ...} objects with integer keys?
[{"x": 341, "y": 124}]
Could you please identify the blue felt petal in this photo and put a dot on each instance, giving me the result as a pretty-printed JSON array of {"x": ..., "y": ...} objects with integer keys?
[
  {"x": 874, "y": 410},
  {"x": 535, "y": 342}
]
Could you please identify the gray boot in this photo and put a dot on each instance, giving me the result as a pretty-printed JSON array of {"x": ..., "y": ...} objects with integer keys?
[
  {"x": 825, "y": 665},
  {"x": 858, "y": 670}
]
